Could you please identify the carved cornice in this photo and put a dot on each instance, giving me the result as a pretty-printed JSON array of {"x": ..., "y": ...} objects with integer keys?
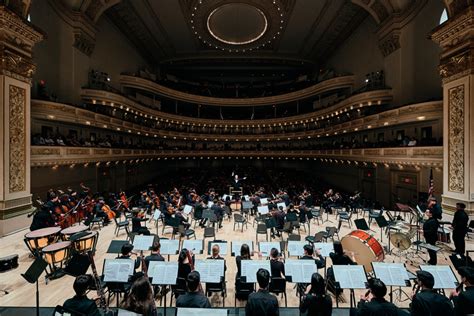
[
  {"x": 389, "y": 31},
  {"x": 397, "y": 156},
  {"x": 155, "y": 88},
  {"x": 84, "y": 29},
  {"x": 458, "y": 66},
  {"x": 17, "y": 38},
  {"x": 390, "y": 43}
]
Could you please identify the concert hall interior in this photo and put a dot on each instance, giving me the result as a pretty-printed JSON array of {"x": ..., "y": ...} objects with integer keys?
[{"x": 319, "y": 148}]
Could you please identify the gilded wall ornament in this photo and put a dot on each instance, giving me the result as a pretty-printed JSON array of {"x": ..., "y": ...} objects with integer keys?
[
  {"x": 17, "y": 132},
  {"x": 456, "y": 139}
]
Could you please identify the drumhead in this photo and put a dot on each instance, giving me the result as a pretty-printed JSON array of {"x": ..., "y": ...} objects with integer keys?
[
  {"x": 57, "y": 246},
  {"x": 43, "y": 232},
  {"x": 74, "y": 229},
  {"x": 364, "y": 247}
]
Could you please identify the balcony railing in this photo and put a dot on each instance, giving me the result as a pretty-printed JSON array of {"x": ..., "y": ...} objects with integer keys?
[{"x": 399, "y": 156}]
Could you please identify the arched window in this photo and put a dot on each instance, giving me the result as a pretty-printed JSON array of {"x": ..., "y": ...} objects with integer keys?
[{"x": 444, "y": 17}]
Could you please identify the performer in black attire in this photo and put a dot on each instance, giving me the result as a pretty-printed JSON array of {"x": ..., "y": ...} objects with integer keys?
[
  {"x": 427, "y": 301},
  {"x": 277, "y": 266},
  {"x": 239, "y": 285},
  {"x": 194, "y": 297},
  {"x": 42, "y": 219},
  {"x": 236, "y": 181},
  {"x": 377, "y": 305},
  {"x": 262, "y": 303},
  {"x": 80, "y": 303},
  {"x": 308, "y": 255},
  {"x": 155, "y": 254},
  {"x": 464, "y": 301},
  {"x": 137, "y": 224},
  {"x": 459, "y": 224},
  {"x": 316, "y": 301},
  {"x": 430, "y": 232}
]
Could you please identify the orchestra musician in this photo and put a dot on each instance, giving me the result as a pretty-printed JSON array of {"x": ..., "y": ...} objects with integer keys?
[
  {"x": 262, "y": 303},
  {"x": 141, "y": 299},
  {"x": 80, "y": 303},
  {"x": 276, "y": 264},
  {"x": 427, "y": 301},
  {"x": 239, "y": 285},
  {"x": 215, "y": 255},
  {"x": 430, "y": 232},
  {"x": 137, "y": 223},
  {"x": 193, "y": 297},
  {"x": 218, "y": 211},
  {"x": 316, "y": 301},
  {"x": 460, "y": 222},
  {"x": 373, "y": 303},
  {"x": 338, "y": 257},
  {"x": 99, "y": 210},
  {"x": 185, "y": 263},
  {"x": 435, "y": 208},
  {"x": 464, "y": 300},
  {"x": 42, "y": 218},
  {"x": 155, "y": 254}
]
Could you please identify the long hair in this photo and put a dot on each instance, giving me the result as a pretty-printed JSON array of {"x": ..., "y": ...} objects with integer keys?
[
  {"x": 318, "y": 285},
  {"x": 140, "y": 299},
  {"x": 245, "y": 251}
]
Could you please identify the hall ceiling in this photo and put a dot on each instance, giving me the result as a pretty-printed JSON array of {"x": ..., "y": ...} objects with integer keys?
[{"x": 174, "y": 31}]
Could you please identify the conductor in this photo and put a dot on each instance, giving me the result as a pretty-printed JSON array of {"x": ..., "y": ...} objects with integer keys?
[{"x": 236, "y": 181}]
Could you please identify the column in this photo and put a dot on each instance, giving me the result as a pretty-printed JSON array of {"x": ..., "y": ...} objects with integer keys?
[
  {"x": 456, "y": 38},
  {"x": 17, "y": 38}
]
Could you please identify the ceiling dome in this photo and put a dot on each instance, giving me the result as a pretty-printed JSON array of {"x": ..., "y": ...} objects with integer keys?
[{"x": 237, "y": 23}]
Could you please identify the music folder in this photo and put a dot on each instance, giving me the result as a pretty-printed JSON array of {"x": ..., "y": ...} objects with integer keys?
[
  {"x": 250, "y": 268},
  {"x": 222, "y": 247},
  {"x": 211, "y": 271},
  {"x": 169, "y": 246},
  {"x": 196, "y": 246},
  {"x": 118, "y": 270},
  {"x": 182, "y": 311},
  {"x": 143, "y": 243},
  {"x": 299, "y": 271}
]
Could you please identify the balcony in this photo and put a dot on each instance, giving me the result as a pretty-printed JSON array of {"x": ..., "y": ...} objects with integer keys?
[{"x": 42, "y": 156}]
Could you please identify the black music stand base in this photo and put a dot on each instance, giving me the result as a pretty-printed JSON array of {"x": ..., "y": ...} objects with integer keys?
[{"x": 55, "y": 274}]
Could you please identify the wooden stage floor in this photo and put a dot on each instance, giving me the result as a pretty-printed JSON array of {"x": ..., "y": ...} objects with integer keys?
[{"x": 55, "y": 292}]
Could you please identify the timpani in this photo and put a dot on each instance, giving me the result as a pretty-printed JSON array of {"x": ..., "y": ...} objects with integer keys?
[
  {"x": 40, "y": 238},
  {"x": 66, "y": 233}
]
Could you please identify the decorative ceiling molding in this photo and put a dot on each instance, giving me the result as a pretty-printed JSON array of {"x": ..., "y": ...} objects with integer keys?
[{"x": 208, "y": 22}]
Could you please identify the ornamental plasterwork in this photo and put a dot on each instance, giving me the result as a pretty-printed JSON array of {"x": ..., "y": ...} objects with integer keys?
[
  {"x": 456, "y": 139},
  {"x": 17, "y": 141}
]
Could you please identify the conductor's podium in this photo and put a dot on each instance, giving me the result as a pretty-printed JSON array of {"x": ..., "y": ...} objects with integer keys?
[{"x": 234, "y": 191}]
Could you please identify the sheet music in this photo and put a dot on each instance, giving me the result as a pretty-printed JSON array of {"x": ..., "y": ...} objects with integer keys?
[
  {"x": 187, "y": 209},
  {"x": 246, "y": 198},
  {"x": 295, "y": 248},
  {"x": 123, "y": 312},
  {"x": 263, "y": 201},
  {"x": 210, "y": 204},
  {"x": 141, "y": 242},
  {"x": 443, "y": 276},
  {"x": 282, "y": 204},
  {"x": 250, "y": 268},
  {"x": 211, "y": 270},
  {"x": 324, "y": 247},
  {"x": 222, "y": 247},
  {"x": 394, "y": 274},
  {"x": 350, "y": 277},
  {"x": 300, "y": 271},
  {"x": 266, "y": 246},
  {"x": 163, "y": 272},
  {"x": 156, "y": 214},
  {"x": 201, "y": 311},
  {"x": 169, "y": 246},
  {"x": 195, "y": 246},
  {"x": 118, "y": 270},
  {"x": 263, "y": 209},
  {"x": 247, "y": 205},
  {"x": 237, "y": 244}
]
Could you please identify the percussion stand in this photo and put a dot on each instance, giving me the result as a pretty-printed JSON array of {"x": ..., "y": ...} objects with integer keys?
[{"x": 32, "y": 275}]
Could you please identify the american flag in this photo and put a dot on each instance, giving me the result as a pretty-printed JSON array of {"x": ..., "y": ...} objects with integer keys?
[{"x": 431, "y": 189}]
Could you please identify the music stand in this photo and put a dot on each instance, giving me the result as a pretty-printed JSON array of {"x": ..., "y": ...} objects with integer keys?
[
  {"x": 392, "y": 274},
  {"x": 349, "y": 277},
  {"x": 163, "y": 274},
  {"x": 32, "y": 275},
  {"x": 116, "y": 246},
  {"x": 382, "y": 222},
  {"x": 361, "y": 224}
]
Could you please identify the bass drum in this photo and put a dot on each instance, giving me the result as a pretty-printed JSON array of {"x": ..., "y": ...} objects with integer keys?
[{"x": 365, "y": 247}]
